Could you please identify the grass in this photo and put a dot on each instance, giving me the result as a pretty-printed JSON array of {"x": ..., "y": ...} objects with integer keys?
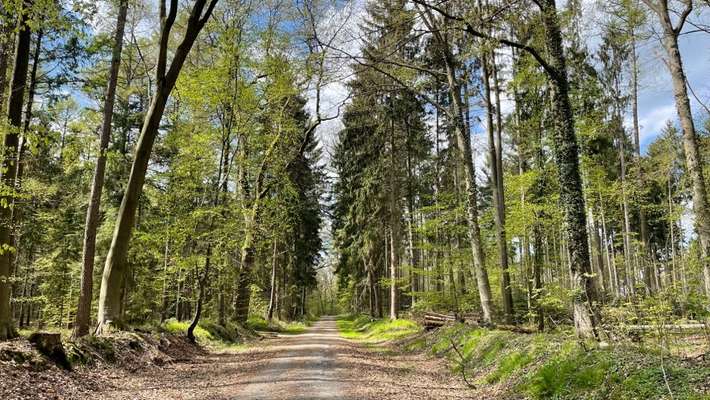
[
  {"x": 260, "y": 324},
  {"x": 180, "y": 328},
  {"x": 546, "y": 365},
  {"x": 364, "y": 329}
]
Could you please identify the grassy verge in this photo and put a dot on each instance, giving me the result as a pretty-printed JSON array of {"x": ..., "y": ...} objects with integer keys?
[
  {"x": 261, "y": 324},
  {"x": 364, "y": 329},
  {"x": 546, "y": 366}
]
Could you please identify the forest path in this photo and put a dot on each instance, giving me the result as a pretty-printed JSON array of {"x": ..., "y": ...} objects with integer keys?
[{"x": 316, "y": 364}]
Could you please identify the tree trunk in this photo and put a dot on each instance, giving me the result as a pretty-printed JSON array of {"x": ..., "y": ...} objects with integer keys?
[
  {"x": 7, "y": 39},
  {"x": 537, "y": 278},
  {"x": 272, "y": 295},
  {"x": 626, "y": 226},
  {"x": 690, "y": 142},
  {"x": 395, "y": 218},
  {"x": 16, "y": 214},
  {"x": 643, "y": 223},
  {"x": 241, "y": 305},
  {"x": 586, "y": 315},
  {"x": 114, "y": 269},
  {"x": 9, "y": 170},
  {"x": 463, "y": 142},
  {"x": 200, "y": 297},
  {"x": 496, "y": 186},
  {"x": 92, "y": 213}
]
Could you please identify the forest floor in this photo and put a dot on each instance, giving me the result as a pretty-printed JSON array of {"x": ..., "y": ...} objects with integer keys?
[{"x": 315, "y": 364}]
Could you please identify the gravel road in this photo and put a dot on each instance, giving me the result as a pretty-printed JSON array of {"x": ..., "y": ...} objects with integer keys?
[{"x": 317, "y": 364}]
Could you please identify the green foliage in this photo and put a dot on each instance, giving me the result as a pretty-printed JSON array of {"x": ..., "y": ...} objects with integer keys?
[
  {"x": 180, "y": 328},
  {"x": 364, "y": 329},
  {"x": 260, "y": 324},
  {"x": 569, "y": 374},
  {"x": 554, "y": 366}
]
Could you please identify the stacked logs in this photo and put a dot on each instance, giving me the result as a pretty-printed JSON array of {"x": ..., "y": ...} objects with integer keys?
[{"x": 431, "y": 320}]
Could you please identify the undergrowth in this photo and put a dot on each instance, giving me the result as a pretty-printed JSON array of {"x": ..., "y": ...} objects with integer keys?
[
  {"x": 364, "y": 329},
  {"x": 261, "y": 324},
  {"x": 546, "y": 365}
]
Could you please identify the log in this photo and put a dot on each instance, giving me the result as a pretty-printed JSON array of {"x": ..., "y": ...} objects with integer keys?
[{"x": 50, "y": 345}]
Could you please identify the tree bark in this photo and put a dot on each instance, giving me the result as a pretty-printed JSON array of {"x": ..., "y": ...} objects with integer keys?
[
  {"x": 272, "y": 295},
  {"x": 585, "y": 307},
  {"x": 114, "y": 269},
  {"x": 92, "y": 213},
  {"x": 497, "y": 187},
  {"x": 693, "y": 161},
  {"x": 200, "y": 297},
  {"x": 7, "y": 39},
  {"x": 395, "y": 218},
  {"x": 643, "y": 223},
  {"x": 9, "y": 170}
]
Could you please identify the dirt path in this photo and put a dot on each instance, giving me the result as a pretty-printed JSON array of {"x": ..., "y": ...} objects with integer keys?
[{"x": 317, "y": 364}]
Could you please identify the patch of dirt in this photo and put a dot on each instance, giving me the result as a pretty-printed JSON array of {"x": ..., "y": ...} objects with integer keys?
[{"x": 97, "y": 361}]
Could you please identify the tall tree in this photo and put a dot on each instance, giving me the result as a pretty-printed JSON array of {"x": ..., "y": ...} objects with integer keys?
[
  {"x": 586, "y": 313},
  {"x": 83, "y": 312},
  {"x": 165, "y": 78},
  {"x": 669, "y": 37},
  {"x": 9, "y": 170},
  {"x": 457, "y": 113}
]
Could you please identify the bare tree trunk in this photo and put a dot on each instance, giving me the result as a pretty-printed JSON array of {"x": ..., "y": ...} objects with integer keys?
[
  {"x": 463, "y": 142},
  {"x": 690, "y": 142},
  {"x": 272, "y": 295},
  {"x": 241, "y": 305},
  {"x": 7, "y": 40},
  {"x": 395, "y": 218},
  {"x": 16, "y": 213},
  {"x": 643, "y": 223},
  {"x": 164, "y": 296},
  {"x": 9, "y": 170},
  {"x": 496, "y": 186},
  {"x": 114, "y": 269},
  {"x": 626, "y": 226},
  {"x": 92, "y": 213},
  {"x": 537, "y": 278}
]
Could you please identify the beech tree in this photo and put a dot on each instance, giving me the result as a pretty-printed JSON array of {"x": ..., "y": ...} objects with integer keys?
[
  {"x": 165, "y": 78},
  {"x": 92, "y": 214},
  {"x": 670, "y": 32}
]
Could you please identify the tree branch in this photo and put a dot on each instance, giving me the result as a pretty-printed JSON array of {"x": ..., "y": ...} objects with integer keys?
[
  {"x": 683, "y": 16},
  {"x": 476, "y": 33}
]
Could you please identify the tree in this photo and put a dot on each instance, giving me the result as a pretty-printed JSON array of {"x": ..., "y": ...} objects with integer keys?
[
  {"x": 9, "y": 170},
  {"x": 92, "y": 213},
  {"x": 463, "y": 142},
  {"x": 674, "y": 62},
  {"x": 586, "y": 315},
  {"x": 114, "y": 269}
]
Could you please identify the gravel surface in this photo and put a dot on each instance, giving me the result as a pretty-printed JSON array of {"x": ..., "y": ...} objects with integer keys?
[{"x": 317, "y": 364}]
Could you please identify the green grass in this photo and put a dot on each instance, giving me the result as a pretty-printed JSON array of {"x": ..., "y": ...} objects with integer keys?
[
  {"x": 180, "y": 328},
  {"x": 364, "y": 329},
  {"x": 546, "y": 365},
  {"x": 260, "y": 324}
]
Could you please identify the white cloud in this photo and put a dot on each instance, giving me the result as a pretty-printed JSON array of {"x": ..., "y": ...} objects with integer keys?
[{"x": 652, "y": 122}]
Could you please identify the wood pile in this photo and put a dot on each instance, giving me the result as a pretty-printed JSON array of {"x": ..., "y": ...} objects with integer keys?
[{"x": 431, "y": 320}]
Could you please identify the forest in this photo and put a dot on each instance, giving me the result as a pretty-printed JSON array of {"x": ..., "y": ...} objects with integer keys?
[{"x": 532, "y": 167}]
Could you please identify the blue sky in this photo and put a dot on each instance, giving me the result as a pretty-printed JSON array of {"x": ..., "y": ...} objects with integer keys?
[{"x": 656, "y": 102}]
